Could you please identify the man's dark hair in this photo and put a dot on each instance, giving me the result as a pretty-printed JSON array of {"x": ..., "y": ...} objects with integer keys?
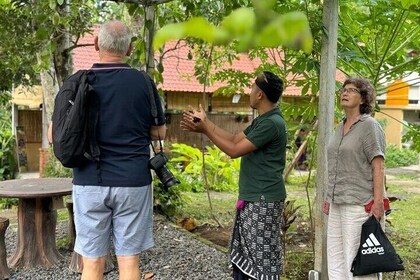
[{"x": 271, "y": 85}]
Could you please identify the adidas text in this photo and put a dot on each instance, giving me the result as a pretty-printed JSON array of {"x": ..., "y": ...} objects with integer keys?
[{"x": 369, "y": 251}]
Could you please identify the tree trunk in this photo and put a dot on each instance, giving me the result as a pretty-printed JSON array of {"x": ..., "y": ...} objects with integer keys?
[
  {"x": 36, "y": 244},
  {"x": 50, "y": 87},
  {"x": 150, "y": 14},
  {"x": 326, "y": 124},
  {"x": 59, "y": 67}
]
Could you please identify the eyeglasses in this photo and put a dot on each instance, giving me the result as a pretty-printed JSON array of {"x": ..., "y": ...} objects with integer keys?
[{"x": 349, "y": 90}]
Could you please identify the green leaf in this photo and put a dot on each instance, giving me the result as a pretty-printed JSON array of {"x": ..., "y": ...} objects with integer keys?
[
  {"x": 305, "y": 89},
  {"x": 52, "y": 4},
  {"x": 148, "y": 24},
  {"x": 132, "y": 9},
  {"x": 42, "y": 34},
  {"x": 200, "y": 28},
  {"x": 167, "y": 33},
  {"x": 56, "y": 19},
  {"x": 5, "y": 2},
  {"x": 197, "y": 27},
  {"x": 160, "y": 67},
  {"x": 263, "y": 5},
  {"x": 291, "y": 30},
  {"x": 408, "y": 3},
  {"x": 239, "y": 22}
]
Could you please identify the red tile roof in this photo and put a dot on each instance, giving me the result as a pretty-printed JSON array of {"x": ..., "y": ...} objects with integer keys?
[
  {"x": 178, "y": 74},
  {"x": 84, "y": 57}
]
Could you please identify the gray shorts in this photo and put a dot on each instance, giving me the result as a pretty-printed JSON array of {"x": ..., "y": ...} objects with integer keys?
[{"x": 123, "y": 213}]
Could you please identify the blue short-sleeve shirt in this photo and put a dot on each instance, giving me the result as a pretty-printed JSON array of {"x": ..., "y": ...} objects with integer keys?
[{"x": 123, "y": 128}]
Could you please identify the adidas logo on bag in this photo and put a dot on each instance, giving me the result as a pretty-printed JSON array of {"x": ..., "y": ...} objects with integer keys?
[{"x": 373, "y": 246}]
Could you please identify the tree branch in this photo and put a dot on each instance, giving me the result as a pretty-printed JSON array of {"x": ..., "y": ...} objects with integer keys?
[
  {"x": 387, "y": 47},
  {"x": 143, "y": 2},
  {"x": 78, "y": 46},
  {"x": 396, "y": 68},
  {"x": 158, "y": 2},
  {"x": 138, "y": 2}
]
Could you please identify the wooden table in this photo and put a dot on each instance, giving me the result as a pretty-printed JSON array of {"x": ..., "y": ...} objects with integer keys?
[{"x": 37, "y": 219}]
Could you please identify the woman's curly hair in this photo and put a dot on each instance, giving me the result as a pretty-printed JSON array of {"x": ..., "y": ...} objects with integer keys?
[{"x": 366, "y": 91}]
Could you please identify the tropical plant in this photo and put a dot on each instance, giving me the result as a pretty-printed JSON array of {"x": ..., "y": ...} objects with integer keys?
[
  {"x": 381, "y": 51},
  {"x": 7, "y": 143},
  {"x": 7, "y": 150},
  {"x": 221, "y": 171},
  {"x": 289, "y": 215}
]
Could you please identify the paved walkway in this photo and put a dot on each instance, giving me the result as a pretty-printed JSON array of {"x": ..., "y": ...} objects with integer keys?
[
  {"x": 412, "y": 169},
  {"x": 28, "y": 175}
]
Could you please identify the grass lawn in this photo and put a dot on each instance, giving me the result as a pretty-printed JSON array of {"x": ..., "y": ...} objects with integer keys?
[{"x": 403, "y": 230}]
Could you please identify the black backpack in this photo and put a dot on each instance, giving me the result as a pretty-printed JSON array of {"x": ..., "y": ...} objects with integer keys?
[{"x": 74, "y": 120}]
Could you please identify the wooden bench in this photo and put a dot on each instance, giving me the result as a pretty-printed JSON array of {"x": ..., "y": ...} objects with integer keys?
[
  {"x": 4, "y": 269},
  {"x": 76, "y": 262}
]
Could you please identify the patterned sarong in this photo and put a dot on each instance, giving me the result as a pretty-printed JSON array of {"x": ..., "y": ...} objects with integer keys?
[{"x": 255, "y": 247}]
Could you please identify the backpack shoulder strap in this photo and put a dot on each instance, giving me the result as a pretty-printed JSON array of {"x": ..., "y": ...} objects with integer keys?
[
  {"x": 151, "y": 96},
  {"x": 93, "y": 152}
]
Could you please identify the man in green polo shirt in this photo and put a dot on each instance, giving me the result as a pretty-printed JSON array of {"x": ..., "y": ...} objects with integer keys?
[{"x": 255, "y": 249}]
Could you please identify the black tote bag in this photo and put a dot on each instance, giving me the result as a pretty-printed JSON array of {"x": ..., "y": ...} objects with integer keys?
[{"x": 375, "y": 253}]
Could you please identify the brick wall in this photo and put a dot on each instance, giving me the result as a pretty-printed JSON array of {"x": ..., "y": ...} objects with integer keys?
[{"x": 44, "y": 154}]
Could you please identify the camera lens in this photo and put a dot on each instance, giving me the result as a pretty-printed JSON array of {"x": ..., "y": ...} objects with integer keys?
[
  {"x": 171, "y": 182},
  {"x": 166, "y": 177}
]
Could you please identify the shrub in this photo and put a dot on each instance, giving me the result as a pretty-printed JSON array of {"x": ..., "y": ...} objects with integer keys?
[
  {"x": 55, "y": 169},
  {"x": 167, "y": 202},
  {"x": 412, "y": 136},
  {"x": 221, "y": 171},
  {"x": 395, "y": 157},
  {"x": 186, "y": 164},
  {"x": 7, "y": 155},
  {"x": 7, "y": 203},
  {"x": 7, "y": 143}
]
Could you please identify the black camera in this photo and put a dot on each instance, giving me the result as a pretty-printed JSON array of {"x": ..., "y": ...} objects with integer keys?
[{"x": 157, "y": 163}]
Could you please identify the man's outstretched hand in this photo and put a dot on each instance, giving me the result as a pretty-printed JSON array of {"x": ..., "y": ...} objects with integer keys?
[{"x": 193, "y": 120}]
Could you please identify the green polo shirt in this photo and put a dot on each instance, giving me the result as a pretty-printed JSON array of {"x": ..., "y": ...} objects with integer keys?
[{"x": 261, "y": 171}]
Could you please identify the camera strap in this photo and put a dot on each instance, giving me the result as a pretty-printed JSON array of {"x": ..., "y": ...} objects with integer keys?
[{"x": 153, "y": 106}]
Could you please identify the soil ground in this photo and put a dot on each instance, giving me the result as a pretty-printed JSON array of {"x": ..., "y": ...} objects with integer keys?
[{"x": 217, "y": 235}]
